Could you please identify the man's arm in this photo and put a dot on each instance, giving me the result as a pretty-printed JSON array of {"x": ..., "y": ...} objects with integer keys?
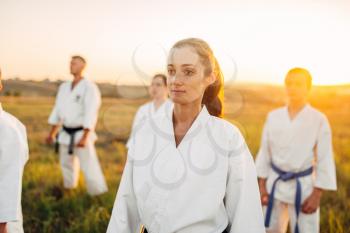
[
  {"x": 92, "y": 103},
  {"x": 325, "y": 164},
  {"x": 264, "y": 195},
  {"x": 325, "y": 168},
  {"x": 84, "y": 138},
  {"x": 312, "y": 203},
  {"x": 262, "y": 162},
  {"x": 52, "y": 135},
  {"x": 3, "y": 227}
]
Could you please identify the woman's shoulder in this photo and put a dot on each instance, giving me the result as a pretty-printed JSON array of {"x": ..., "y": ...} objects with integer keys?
[
  {"x": 224, "y": 126},
  {"x": 144, "y": 109},
  {"x": 145, "y": 106},
  {"x": 225, "y": 135}
]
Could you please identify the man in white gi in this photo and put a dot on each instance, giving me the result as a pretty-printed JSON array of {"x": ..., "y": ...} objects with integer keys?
[
  {"x": 76, "y": 110},
  {"x": 13, "y": 157},
  {"x": 295, "y": 161}
]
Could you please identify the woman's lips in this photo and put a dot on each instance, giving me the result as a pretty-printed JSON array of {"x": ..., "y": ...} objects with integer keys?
[{"x": 177, "y": 91}]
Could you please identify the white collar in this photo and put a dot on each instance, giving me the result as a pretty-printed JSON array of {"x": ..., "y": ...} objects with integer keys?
[
  {"x": 198, "y": 124},
  {"x": 77, "y": 86},
  {"x": 163, "y": 125},
  {"x": 202, "y": 117},
  {"x": 160, "y": 107},
  {"x": 299, "y": 114}
]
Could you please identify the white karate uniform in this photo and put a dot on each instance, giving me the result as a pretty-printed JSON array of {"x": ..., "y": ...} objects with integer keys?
[
  {"x": 75, "y": 108},
  {"x": 294, "y": 146},
  {"x": 206, "y": 184},
  {"x": 146, "y": 111},
  {"x": 13, "y": 157}
]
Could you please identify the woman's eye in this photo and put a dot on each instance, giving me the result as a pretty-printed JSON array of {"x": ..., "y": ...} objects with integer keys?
[
  {"x": 188, "y": 72},
  {"x": 171, "y": 72}
]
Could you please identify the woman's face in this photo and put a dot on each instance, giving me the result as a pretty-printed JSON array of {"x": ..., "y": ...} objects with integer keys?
[
  {"x": 158, "y": 90},
  {"x": 186, "y": 77}
]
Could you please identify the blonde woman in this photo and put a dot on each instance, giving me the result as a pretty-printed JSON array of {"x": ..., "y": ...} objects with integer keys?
[{"x": 189, "y": 171}]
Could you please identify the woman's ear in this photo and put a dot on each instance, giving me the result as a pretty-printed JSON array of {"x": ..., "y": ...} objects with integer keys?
[{"x": 211, "y": 79}]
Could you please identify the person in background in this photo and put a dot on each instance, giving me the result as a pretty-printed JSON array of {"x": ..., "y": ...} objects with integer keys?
[
  {"x": 158, "y": 91},
  {"x": 76, "y": 111},
  {"x": 14, "y": 154},
  {"x": 295, "y": 162}
]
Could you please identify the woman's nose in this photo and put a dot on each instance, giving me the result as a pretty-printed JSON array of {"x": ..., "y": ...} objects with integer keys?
[{"x": 175, "y": 80}]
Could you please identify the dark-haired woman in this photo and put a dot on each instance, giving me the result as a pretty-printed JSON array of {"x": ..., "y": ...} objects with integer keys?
[
  {"x": 189, "y": 171},
  {"x": 159, "y": 94}
]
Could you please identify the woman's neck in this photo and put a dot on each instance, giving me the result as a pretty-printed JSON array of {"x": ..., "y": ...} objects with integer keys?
[
  {"x": 184, "y": 113},
  {"x": 183, "y": 118}
]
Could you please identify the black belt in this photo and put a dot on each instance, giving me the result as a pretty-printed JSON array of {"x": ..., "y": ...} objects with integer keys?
[
  {"x": 145, "y": 231},
  {"x": 71, "y": 132}
]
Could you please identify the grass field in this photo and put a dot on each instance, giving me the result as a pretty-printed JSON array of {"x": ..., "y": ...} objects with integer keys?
[{"x": 50, "y": 209}]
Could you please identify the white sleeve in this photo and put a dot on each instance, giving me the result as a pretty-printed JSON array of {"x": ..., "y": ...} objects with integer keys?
[
  {"x": 125, "y": 217},
  {"x": 139, "y": 116},
  {"x": 263, "y": 158},
  {"x": 92, "y": 103},
  {"x": 24, "y": 144},
  {"x": 54, "y": 118},
  {"x": 12, "y": 153},
  {"x": 137, "y": 119},
  {"x": 242, "y": 199},
  {"x": 325, "y": 167}
]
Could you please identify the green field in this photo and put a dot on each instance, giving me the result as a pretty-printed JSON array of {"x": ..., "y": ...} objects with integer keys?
[{"x": 50, "y": 209}]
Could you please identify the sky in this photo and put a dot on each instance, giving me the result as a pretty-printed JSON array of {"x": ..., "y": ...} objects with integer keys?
[{"x": 128, "y": 41}]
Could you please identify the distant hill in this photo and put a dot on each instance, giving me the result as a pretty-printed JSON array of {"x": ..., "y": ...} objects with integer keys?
[
  {"x": 17, "y": 87},
  {"x": 247, "y": 91}
]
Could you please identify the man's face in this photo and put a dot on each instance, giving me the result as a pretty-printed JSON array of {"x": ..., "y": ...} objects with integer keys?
[
  {"x": 296, "y": 87},
  {"x": 76, "y": 66}
]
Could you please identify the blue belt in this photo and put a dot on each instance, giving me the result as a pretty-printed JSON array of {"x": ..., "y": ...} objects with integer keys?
[{"x": 286, "y": 176}]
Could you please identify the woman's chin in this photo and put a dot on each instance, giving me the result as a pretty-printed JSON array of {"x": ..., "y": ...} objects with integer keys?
[{"x": 178, "y": 100}]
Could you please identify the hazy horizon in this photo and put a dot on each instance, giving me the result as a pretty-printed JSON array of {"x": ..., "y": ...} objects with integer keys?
[
  {"x": 127, "y": 42},
  {"x": 231, "y": 84}
]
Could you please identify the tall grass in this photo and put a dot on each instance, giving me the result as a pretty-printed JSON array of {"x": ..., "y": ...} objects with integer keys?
[{"x": 48, "y": 208}]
